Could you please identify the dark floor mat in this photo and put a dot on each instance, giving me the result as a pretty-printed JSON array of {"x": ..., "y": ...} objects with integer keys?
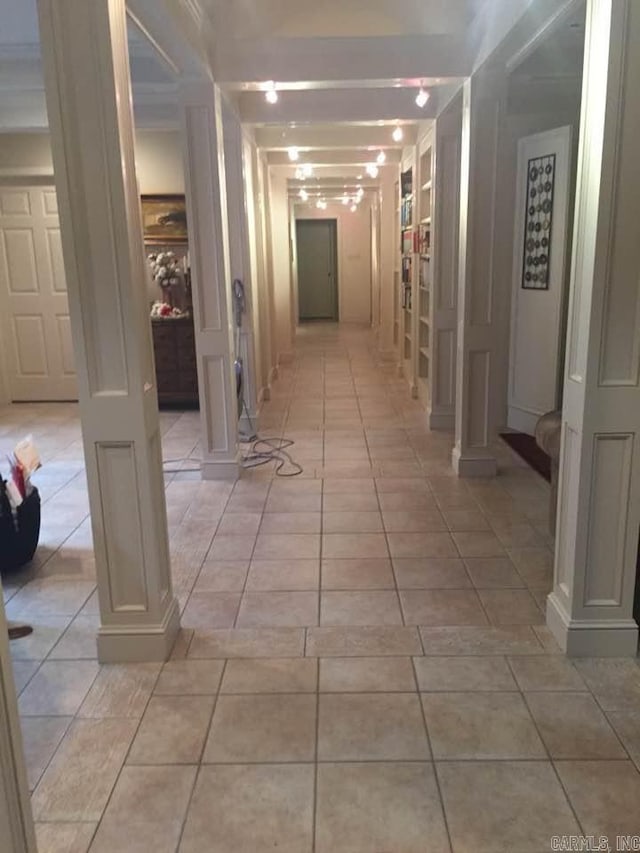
[{"x": 526, "y": 447}]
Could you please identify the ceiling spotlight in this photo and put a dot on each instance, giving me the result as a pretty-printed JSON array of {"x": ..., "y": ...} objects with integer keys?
[
  {"x": 321, "y": 204},
  {"x": 271, "y": 94},
  {"x": 304, "y": 195},
  {"x": 397, "y": 134},
  {"x": 372, "y": 170},
  {"x": 345, "y": 199},
  {"x": 307, "y": 170},
  {"x": 422, "y": 97},
  {"x": 381, "y": 158},
  {"x": 360, "y": 193},
  {"x": 353, "y": 208},
  {"x": 293, "y": 153}
]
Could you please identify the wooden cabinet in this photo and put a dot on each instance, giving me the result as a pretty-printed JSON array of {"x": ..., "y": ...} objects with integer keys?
[{"x": 175, "y": 355}]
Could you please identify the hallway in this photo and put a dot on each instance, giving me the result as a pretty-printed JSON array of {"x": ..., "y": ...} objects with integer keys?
[{"x": 363, "y": 664}]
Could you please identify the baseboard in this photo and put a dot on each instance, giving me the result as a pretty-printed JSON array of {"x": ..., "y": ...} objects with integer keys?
[
  {"x": 578, "y": 638},
  {"x": 473, "y": 466},
  {"x": 247, "y": 424},
  {"x": 223, "y": 470},
  {"x": 139, "y": 644}
]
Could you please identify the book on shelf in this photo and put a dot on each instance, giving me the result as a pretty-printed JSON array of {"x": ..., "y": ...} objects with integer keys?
[{"x": 406, "y": 297}]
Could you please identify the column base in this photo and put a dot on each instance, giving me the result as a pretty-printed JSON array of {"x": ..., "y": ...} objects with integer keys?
[
  {"x": 467, "y": 465},
  {"x": 223, "y": 470},
  {"x": 445, "y": 421},
  {"x": 140, "y": 643},
  {"x": 578, "y": 638}
]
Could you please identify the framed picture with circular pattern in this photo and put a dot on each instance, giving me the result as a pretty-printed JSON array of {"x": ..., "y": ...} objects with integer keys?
[{"x": 538, "y": 223}]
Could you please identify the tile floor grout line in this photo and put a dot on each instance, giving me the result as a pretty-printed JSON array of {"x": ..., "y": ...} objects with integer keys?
[
  {"x": 431, "y": 754},
  {"x": 550, "y": 758}
]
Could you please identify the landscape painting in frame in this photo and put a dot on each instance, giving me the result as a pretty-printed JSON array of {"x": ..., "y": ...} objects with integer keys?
[{"x": 164, "y": 218}]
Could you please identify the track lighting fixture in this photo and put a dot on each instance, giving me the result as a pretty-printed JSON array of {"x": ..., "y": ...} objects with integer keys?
[
  {"x": 353, "y": 208},
  {"x": 372, "y": 170},
  {"x": 380, "y": 159},
  {"x": 293, "y": 153},
  {"x": 321, "y": 204},
  {"x": 304, "y": 195},
  {"x": 397, "y": 134},
  {"x": 307, "y": 170}
]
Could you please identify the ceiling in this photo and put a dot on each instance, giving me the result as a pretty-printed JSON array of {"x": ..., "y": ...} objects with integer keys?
[{"x": 346, "y": 71}]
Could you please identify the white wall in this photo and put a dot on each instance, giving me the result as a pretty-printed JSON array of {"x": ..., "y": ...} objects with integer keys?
[
  {"x": 354, "y": 257},
  {"x": 158, "y": 158}
]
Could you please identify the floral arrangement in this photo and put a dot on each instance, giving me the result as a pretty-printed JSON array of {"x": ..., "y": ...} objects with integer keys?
[
  {"x": 165, "y": 269},
  {"x": 163, "y": 309}
]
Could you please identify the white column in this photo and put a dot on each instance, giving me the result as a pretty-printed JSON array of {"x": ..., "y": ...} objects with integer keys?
[
  {"x": 476, "y": 365},
  {"x": 16, "y": 823},
  {"x": 590, "y": 608},
  {"x": 239, "y": 257},
  {"x": 86, "y": 70},
  {"x": 445, "y": 230},
  {"x": 211, "y": 278},
  {"x": 284, "y": 321}
]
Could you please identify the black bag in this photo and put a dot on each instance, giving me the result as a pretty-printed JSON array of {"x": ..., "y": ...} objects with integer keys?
[{"x": 19, "y": 533}]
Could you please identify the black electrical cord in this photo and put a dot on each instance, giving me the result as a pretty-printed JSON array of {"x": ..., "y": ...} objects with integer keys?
[{"x": 275, "y": 451}]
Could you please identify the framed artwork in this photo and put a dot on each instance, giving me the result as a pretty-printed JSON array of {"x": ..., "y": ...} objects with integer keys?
[
  {"x": 164, "y": 219},
  {"x": 538, "y": 222}
]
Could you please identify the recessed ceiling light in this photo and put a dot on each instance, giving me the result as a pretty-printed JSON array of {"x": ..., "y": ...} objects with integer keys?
[
  {"x": 358, "y": 177},
  {"x": 345, "y": 199},
  {"x": 293, "y": 153},
  {"x": 353, "y": 208},
  {"x": 381, "y": 158},
  {"x": 271, "y": 94},
  {"x": 307, "y": 170},
  {"x": 321, "y": 204},
  {"x": 304, "y": 195},
  {"x": 422, "y": 97},
  {"x": 397, "y": 134},
  {"x": 372, "y": 170}
]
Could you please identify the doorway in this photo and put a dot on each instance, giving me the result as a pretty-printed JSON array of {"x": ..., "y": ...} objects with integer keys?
[
  {"x": 35, "y": 325},
  {"x": 540, "y": 263},
  {"x": 316, "y": 241}
]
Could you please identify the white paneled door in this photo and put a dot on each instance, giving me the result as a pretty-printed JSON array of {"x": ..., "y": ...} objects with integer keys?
[
  {"x": 34, "y": 312},
  {"x": 539, "y": 276}
]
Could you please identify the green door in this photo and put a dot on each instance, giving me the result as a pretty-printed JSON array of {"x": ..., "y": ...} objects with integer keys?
[{"x": 317, "y": 269}]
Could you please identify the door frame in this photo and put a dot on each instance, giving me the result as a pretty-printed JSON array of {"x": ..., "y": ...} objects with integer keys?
[
  {"x": 332, "y": 221},
  {"x": 22, "y": 176},
  {"x": 522, "y": 416}
]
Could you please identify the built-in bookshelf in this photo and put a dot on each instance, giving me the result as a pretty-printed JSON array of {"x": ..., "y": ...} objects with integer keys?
[
  {"x": 397, "y": 277},
  {"x": 425, "y": 276},
  {"x": 407, "y": 241}
]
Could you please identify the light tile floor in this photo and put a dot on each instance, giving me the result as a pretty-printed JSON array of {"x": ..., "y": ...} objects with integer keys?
[{"x": 363, "y": 667}]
